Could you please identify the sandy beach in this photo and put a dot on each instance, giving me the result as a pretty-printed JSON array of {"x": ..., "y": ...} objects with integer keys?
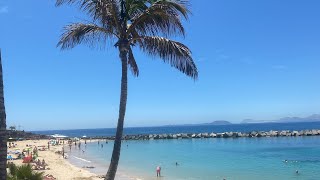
[{"x": 58, "y": 167}]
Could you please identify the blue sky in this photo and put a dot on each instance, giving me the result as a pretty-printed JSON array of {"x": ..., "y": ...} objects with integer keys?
[{"x": 256, "y": 59}]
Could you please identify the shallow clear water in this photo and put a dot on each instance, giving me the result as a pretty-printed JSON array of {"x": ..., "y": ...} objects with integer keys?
[{"x": 207, "y": 159}]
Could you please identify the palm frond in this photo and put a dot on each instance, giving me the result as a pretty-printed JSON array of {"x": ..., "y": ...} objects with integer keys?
[
  {"x": 105, "y": 12},
  {"x": 77, "y": 33},
  {"x": 162, "y": 17},
  {"x": 135, "y": 7},
  {"x": 157, "y": 22},
  {"x": 132, "y": 63},
  {"x": 61, "y": 2},
  {"x": 135, "y": 35},
  {"x": 172, "y": 52},
  {"x": 178, "y": 6}
]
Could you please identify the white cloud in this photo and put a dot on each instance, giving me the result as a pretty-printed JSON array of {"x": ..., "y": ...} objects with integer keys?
[{"x": 4, "y": 9}]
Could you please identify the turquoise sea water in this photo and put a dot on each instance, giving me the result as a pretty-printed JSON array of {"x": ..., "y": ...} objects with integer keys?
[{"x": 208, "y": 159}]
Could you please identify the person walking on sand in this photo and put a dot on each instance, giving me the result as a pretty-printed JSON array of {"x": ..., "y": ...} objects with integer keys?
[{"x": 158, "y": 171}]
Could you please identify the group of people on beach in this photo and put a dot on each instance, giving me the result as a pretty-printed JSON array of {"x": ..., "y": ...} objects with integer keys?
[
  {"x": 39, "y": 165},
  {"x": 12, "y": 145}
]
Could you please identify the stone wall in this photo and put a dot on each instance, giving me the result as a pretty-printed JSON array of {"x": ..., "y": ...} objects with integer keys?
[{"x": 253, "y": 134}]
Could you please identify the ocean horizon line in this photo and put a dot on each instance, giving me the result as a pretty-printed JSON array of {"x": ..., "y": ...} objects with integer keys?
[{"x": 173, "y": 125}]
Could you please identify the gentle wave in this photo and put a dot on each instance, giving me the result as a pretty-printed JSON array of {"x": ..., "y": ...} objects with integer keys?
[{"x": 82, "y": 159}]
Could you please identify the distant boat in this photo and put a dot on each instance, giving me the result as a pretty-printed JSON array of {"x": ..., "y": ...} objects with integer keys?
[{"x": 58, "y": 136}]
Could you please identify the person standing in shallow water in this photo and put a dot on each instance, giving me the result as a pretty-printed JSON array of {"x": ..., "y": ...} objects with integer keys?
[{"x": 158, "y": 171}]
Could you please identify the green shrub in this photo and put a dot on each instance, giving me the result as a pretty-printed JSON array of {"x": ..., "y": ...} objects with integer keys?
[{"x": 23, "y": 172}]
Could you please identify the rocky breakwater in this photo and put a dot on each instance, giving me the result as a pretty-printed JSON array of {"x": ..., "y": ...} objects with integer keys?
[{"x": 253, "y": 134}]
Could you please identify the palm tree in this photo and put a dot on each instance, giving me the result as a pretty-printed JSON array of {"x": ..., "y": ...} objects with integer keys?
[
  {"x": 131, "y": 23},
  {"x": 3, "y": 131}
]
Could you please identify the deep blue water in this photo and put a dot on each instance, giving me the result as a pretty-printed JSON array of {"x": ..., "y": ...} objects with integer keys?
[{"x": 187, "y": 129}]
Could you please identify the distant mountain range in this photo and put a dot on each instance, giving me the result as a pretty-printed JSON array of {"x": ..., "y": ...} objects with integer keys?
[
  {"x": 312, "y": 118},
  {"x": 220, "y": 122}
]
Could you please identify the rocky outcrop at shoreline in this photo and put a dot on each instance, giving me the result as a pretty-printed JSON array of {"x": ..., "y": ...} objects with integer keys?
[
  {"x": 23, "y": 135},
  {"x": 253, "y": 134}
]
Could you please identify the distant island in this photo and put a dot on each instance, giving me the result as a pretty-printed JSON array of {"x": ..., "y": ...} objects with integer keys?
[
  {"x": 312, "y": 118},
  {"x": 214, "y": 123}
]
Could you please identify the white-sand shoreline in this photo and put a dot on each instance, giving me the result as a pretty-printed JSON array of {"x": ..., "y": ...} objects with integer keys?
[{"x": 58, "y": 167}]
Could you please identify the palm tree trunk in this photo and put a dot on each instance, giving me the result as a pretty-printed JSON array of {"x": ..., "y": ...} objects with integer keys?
[
  {"x": 3, "y": 132},
  {"x": 122, "y": 110}
]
